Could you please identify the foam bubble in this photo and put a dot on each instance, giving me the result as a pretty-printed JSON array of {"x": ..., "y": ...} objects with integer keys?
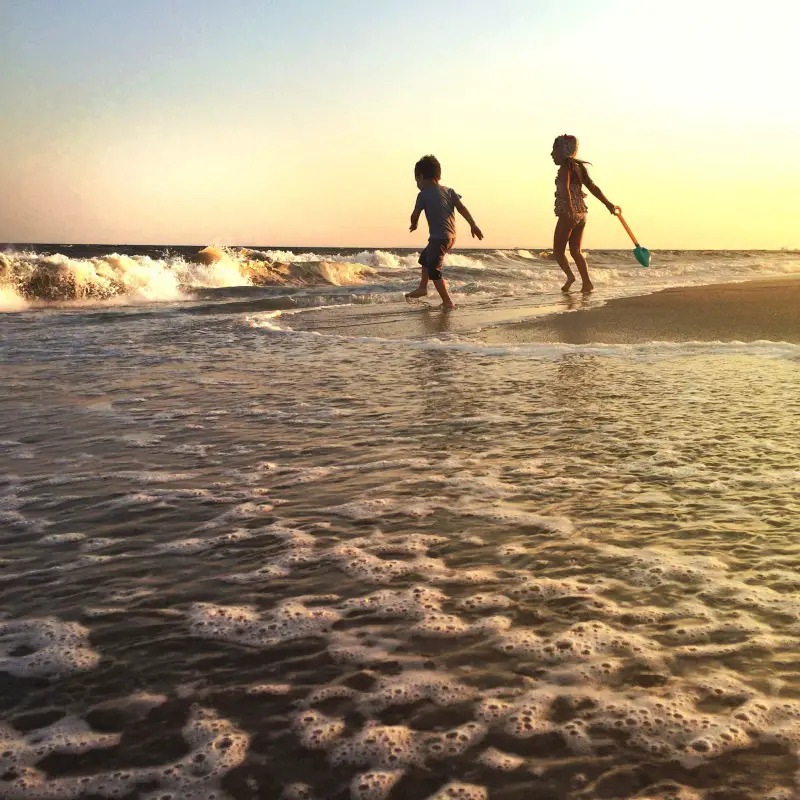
[
  {"x": 288, "y": 621},
  {"x": 374, "y": 785},
  {"x": 581, "y": 642},
  {"x": 490, "y": 625},
  {"x": 368, "y": 567},
  {"x": 58, "y": 648},
  {"x": 484, "y": 602},
  {"x": 460, "y": 791},
  {"x": 493, "y": 709},
  {"x": 415, "y": 685},
  {"x": 62, "y": 538},
  {"x": 441, "y": 626},
  {"x": 529, "y": 715},
  {"x": 497, "y": 759},
  {"x": 548, "y": 588},
  {"x": 412, "y": 603},
  {"x": 387, "y": 746},
  {"x": 317, "y": 731},
  {"x": 454, "y": 742},
  {"x": 326, "y": 693},
  {"x": 270, "y": 688},
  {"x": 653, "y": 566},
  {"x": 474, "y": 576},
  {"x": 216, "y": 748}
]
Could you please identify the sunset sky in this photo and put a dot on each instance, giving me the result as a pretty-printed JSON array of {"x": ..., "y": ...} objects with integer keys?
[{"x": 298, "y": 122}]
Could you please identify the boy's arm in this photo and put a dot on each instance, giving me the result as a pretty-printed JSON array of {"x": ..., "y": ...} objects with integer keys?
[
  {"x": 595, "y": 190},
  {"x": 464, "y": 211},
  {"x": 416, "y": 212}
]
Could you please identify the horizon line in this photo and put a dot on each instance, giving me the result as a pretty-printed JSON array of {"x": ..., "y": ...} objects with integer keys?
[{"x": 391, "y": 247}]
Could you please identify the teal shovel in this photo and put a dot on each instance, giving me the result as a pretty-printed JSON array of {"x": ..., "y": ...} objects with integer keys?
[{"x": 642, "y": 253}]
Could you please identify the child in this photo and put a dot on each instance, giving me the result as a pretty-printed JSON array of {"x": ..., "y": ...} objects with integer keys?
[
  {"x": 439, "y": 204},
  {"x": 571, "y": 208}
]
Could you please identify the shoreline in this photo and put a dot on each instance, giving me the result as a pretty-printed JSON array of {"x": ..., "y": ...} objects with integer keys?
[{"x": 748, "y": 311}]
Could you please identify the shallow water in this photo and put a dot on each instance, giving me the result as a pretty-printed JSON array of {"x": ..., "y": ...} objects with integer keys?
[{"x": 244, "y": 562}]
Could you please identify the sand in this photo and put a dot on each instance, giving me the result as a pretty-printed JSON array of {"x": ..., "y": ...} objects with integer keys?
[{"x": 752, "y": 311}]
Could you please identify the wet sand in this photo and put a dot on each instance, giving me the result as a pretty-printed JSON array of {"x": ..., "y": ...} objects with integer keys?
[
  {"x": 421, "y": 320},
  {"x": 747, "y": 312}
]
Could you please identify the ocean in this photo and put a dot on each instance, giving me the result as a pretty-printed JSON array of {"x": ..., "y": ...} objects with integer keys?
[{"x": 304, "y": 540}]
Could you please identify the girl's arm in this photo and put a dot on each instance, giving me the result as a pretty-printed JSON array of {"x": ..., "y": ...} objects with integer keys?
[
  {"x": 569, "y": 192},
  {"x": 593, "y": 188}
]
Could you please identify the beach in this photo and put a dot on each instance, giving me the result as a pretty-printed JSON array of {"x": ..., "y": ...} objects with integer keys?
[
  {"x": 272, "y": 528},
  {"x": 744, "y": 312},
  {"x": 308, "y": 541}
]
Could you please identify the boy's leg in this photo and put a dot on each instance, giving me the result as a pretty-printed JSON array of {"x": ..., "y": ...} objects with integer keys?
[
  {"x": 435, "y": 271},
  {"x": 560, "y": 238},
  {"x": 575, "y": 239},
  {"x": 422, "y": 289},
  {"x": 447, "y": 301}
]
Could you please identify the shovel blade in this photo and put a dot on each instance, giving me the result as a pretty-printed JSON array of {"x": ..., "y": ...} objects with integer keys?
[{"x": 642, "y": 255}]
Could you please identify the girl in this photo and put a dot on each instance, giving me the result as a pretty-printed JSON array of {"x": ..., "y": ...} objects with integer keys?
[{"x": 571, "y": 208}]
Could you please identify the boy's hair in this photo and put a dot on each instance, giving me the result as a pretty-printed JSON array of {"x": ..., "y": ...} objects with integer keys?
[{"x": 429, "y": 168}]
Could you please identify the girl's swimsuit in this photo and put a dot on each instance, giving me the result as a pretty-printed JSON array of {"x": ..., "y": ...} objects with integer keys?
[{"x": 577, "y": 211}]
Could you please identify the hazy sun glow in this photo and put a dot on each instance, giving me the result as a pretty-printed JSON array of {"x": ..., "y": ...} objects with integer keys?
[{"x": 298, "y": 123}]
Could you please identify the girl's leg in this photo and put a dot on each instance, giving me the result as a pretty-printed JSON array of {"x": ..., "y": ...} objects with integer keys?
[
  {"x": 575, "y": 239},
  {"x": 560, "y": 239}
]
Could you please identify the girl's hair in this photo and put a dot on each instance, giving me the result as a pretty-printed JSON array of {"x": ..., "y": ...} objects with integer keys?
[{"x": 567, "y": 145}]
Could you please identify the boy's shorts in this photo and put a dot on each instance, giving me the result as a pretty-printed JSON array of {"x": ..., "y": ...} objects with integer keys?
[{"x": 433, "y": 255}]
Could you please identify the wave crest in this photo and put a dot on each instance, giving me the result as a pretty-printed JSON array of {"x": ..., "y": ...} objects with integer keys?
[{"x": 27, "y": 277}]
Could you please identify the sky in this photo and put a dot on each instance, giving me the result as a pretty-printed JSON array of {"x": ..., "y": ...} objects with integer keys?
[{"x": 298, "y": 122}]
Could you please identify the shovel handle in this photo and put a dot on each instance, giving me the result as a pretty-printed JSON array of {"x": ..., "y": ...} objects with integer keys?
[{"x": 618, "y": 213}]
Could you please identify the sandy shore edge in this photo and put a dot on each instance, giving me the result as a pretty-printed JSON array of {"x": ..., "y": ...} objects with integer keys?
[{"x": 759, "y": 310}]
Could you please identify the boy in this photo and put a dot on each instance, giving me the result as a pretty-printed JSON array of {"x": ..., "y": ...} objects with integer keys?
[{"x": 439, "y": 204}]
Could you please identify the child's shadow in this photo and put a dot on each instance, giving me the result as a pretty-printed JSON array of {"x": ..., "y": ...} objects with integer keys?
[
  {"x": 437, "y": 321},
  {"x": 573, "y": 301}
]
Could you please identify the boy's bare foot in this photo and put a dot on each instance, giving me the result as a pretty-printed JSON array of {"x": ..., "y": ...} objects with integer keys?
[
  {"x": 416, "y": 294},
  {"x": 570, "y": 281},
  {"x": 587, "y": 287},
  {"x": 446, "y": 306}
]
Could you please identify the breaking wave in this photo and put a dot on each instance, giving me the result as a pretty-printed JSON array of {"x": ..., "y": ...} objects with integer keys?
[
  {"x": 29, "y": 278},
  {"x": 88, "y": 274}
]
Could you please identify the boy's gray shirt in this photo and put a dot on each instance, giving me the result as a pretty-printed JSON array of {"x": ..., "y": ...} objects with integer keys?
[{"x": 439, "y": 204}]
